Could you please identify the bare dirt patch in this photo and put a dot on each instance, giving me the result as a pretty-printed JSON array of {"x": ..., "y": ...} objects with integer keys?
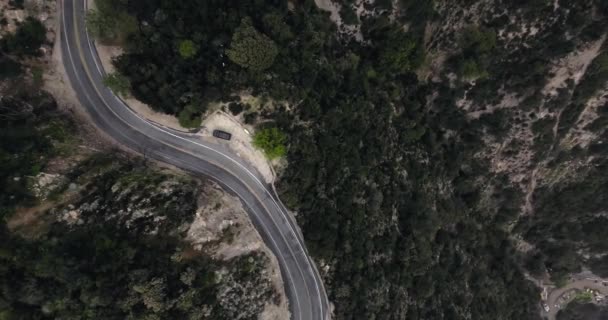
[
  {"x": 333, "y": 8},
  {"x": 29, "y": 222},
  {"x": 573, "y": 67}
]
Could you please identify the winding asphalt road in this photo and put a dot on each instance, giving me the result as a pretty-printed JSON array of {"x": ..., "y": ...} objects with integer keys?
[{"x": 305, "y": 291}]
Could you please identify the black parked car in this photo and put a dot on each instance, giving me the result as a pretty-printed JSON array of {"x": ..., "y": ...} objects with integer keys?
[{"x": 222, "y": 134}]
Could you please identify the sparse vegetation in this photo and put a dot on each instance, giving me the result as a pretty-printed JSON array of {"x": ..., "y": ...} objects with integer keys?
[
  {"x": 582, "y": 311},
  {"x": 584, "y": 297}
]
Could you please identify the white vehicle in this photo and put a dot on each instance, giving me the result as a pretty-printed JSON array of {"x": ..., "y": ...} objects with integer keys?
[{"x": 546, "y": 307}]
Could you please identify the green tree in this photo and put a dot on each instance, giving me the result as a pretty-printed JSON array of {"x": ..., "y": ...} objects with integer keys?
[
  {"x": 398, "y": 52},
  {"x": 187, "y": 49},
  {"x": 271, "y": 141},
  {"x": 118, "y": 83},
  {"x": 190, "y": 117},
  {"x": 478, "y": 40},
  {"x": 153, "y": 293},
  {"x": 470, "y": 69},
  {"x": 110, "y": 22},
  {"x": 27, "y": 40},
  {"x": 251, "y": 49},
  {"x": 600, "y": 63}
]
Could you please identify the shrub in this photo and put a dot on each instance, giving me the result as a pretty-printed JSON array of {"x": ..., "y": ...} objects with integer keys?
[
  {"x": 190, "y": 117},
  {"x": 470, "y": 69},
  {"x": 9, "y": 68},
  {"x": 235, "y": 108},
  {"x": 271, "y": 141},
  {"x": 110, "y": 22},
  {"x": 187, "y": 49},
  {"x": 251, "y": 49},
  {"x": 118, "y": 83},
  {"x": 251, "y": 117}
]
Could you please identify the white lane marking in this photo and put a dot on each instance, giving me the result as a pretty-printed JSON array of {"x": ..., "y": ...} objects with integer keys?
[
  {"x": 118, "y": 116},
  {"x": 86, "y": 32},
  {"x": 301, "y": 245}
]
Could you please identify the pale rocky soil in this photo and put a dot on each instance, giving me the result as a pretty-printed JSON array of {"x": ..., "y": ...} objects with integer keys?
[
  {"x": 13, "y": 16},
  {"x": 572, "y": 67}
]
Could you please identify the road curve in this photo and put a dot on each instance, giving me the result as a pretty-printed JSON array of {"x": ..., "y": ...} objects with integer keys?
[{"x": 304, "y": 288}]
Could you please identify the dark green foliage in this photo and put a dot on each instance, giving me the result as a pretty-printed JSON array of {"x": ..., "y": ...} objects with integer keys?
[
  {"x": 30, "y": 35},
  {"x": 600, "y": 266},
  {"x": 9, "y": 68},
  {"x": 250, "y": 117},
  {"x": 251, "y": 49},
  {"x": 366, "y": 202},
  {"x": 395, "y": 51},
  {"x": 477, "y": 45},
  {"x": 118, "y": 83},
  {"x": 583, "y": 311},
  {"x": 600, "y": 124},
  {"x": 472, "y": 70},
  {"x": 348, "y": 15},
  {"x": 110, "y": 21},
  {"x": 159, "y": 74},
  {"x": 595, "y": 79},
  {"x": 235, "y": 108},
  {"x": 476, "y": 41},
  {"x": 17, "y": 4},
  {"x": 190, "y": 117},
  {"x": 418, "y": 11},
  {"x": 31, "y": 128},
  {"x": 567, "y": 213}
]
